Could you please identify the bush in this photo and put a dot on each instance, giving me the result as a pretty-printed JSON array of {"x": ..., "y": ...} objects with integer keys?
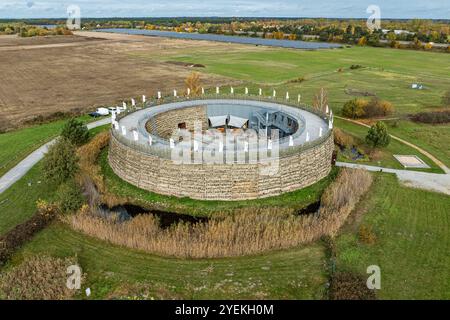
[
  {"x": 354, "y": 108},
  {"x": 377, "y": 108},
  {"x": 378, "y": 135},
  {"x": 38, "y": 278},
  {"x": 60, "y": 163},
  {"x": 69, "y": 197},
  {"x": 342, "y": 139},
  {"x": 349, "y": 286},
  {"x": 432, "y": 117},
  {"x": 75, "y": 131},
  {"x": 355, "y": 66}
]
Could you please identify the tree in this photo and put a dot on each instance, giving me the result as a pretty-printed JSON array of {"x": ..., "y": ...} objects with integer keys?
[
  {"x": 378, "y": 135},
  {"x": 354, "y": 108},
  {"x": 362, "y": 41},
  {"x": 378, "y": 108},
  {"x": 320, "y": 101},
  {"x": 75, "y": 131},
  {"x": 69, "y": 196},
  {"x": 193, "y": 83},
  {"x": 60, "y": 163}
]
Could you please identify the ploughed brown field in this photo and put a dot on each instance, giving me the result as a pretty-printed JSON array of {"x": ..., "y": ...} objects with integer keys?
[{"x": 43, "y": 75}]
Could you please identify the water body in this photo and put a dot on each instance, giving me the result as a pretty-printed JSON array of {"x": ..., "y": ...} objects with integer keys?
[
  {"x": 48, "y": 26},
  {"x": 294, "y": 44}
]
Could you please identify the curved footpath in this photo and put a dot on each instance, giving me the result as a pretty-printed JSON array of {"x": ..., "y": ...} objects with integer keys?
[
  {"x": 416, "y": 179},
  {"x": 17, "y": 172}
]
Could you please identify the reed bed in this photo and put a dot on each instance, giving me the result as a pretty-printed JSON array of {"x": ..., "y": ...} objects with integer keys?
[{"x": 243, "y": 233}]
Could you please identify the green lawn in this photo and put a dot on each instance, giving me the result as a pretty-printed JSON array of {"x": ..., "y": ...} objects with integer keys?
[
  {"x": 412, "y": 250},
  {"x": 293, "y": 200},
  {"x": 18, "y": 203},
  {"x": 388, "y": 73},
  {"x": 16, "y": 145},
  {"x": 433, "y": 138}
]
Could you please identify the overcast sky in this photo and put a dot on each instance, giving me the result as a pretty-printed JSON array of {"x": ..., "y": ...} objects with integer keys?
[{"x": 248, "y": 8}]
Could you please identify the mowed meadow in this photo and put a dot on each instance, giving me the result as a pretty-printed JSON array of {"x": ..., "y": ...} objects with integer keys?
[{"x": 386, "y": 73}]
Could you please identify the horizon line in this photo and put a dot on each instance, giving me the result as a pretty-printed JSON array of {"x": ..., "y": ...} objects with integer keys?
[{"x": 223, "y": 17}]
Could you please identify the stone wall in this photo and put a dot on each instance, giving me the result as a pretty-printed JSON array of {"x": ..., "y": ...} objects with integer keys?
[
  {"x": 223, "y": 181},
  {"x": 164, "y": 124}
]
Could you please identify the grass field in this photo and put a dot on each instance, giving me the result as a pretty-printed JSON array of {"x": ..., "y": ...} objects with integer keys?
[
  {"x": 18, "y": 203},
  {"x": 413, "y": 231},
  {"x": 16, "y": 145},
  {"x": 292, "y": 274},
  {"x": 411, "y": 225},
  {"x": 386, "y": 72},
  {"x": 386, "y": 155},
  {"x": 43, "y": 75}
]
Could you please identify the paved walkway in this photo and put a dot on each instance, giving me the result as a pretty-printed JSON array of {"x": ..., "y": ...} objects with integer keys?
[
  {"x": 415, "y": 179},
  {"x": 17, "y": 172}
]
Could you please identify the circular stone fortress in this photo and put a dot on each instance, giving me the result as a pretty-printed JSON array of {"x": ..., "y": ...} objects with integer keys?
[{"x": 221, "y": 149}]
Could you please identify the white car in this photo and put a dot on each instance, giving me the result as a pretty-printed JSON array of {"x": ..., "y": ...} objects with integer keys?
[{"x": 102, "y": 111}]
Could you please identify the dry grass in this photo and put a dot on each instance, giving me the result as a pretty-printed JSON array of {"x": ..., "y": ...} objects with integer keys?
[
  {"x": 233, "y": 235},
  {"x": 343, "y": 139},
  {"x": 38, "y": 278}
]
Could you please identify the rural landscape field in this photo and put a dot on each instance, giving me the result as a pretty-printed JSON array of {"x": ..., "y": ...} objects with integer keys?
[{"x": 75, "y": 193}]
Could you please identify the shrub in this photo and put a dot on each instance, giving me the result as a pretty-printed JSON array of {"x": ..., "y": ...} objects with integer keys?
[
  {"x": 349, "y": 286},
  {"x": 432, "y": 117},
  {"x": 378, "y": 135},
  {"x": 342, "y": 139},
  {"x": 320, "y": 100},
  {"x": 37, "y": 278},
  {"x": 23, "y": 232},
  {"x": 366, "y": 235},
  {"x": 60, "y": 163},
  {"x": 355, "y": 66},
  {"x": 446, "y": 98},
  {"x": 69, "y": 197},
  {"x": 75, "y": 131},
  {"x": 193, "y": 83},
  {"x": 377, "y": 108},
  {"x": 354, "y": 108}
]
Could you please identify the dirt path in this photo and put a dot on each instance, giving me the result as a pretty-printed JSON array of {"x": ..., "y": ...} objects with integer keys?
[{"x": 426, "y": 153}]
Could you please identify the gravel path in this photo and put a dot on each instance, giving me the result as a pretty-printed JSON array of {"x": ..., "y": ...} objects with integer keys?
[{"x": 17, "y": 172}]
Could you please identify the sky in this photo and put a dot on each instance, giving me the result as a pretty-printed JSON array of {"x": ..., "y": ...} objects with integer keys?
[{"x": 429, "y": 9}]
